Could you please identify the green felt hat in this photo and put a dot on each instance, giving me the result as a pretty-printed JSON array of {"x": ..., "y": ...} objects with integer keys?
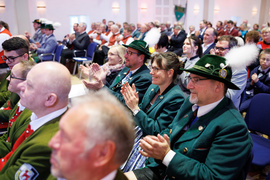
[
  {"x": 141, "y": 46},
  {"x": 49, "y": 26},
  {"x": 213, "y": 67}
]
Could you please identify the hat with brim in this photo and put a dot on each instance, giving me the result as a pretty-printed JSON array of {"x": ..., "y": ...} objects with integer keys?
[
  {"x": 36, "y": 21},
  {"x": 49, "y": 26},
  {"x": 213, "y": 67},
  {"x": 140, "y": 46}
]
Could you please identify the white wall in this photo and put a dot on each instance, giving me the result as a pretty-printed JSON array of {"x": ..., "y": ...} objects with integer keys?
[{"x": 19, "y": 14}]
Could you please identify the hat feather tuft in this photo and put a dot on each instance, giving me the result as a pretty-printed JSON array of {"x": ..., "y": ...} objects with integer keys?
[{"x": 241, "y": 57}]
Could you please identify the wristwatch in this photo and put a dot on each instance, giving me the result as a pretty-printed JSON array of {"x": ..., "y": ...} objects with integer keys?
[{"x": 136, "y": 111}]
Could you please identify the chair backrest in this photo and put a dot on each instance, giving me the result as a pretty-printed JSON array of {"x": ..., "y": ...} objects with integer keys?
[
  {"x": 258, "y": 114},
  {"x": 58, "y": 53},
  {"x": 91, "y": 49}
]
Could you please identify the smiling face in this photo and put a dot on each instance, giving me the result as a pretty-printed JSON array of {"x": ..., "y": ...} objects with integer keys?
[
  {"x": 209, "y": 36},
  {"x": 113, "y": 57},
  {"x": 189, "y": 48},
  {"x": 133, "y": 59},
  {"x": 160, "y": 75},
  {"x": 202, "y": 92}
]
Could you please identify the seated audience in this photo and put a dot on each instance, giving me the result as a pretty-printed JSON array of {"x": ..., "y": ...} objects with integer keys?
[
  {"x": 191, "y": 31},
  {"x": 37, "y": 35},
  {"x": 15, "y": 50},
  {"x": 66, "y": 38},
  {"x": 265, "y": 43},
  {"x": 239, "y": 76},
  {"x": 243, "y": 30},
  {"x": 135, "y": 72},
  {"x": 209, "y": 40},
  {"x": 230, "y": 29},
  {"x": 203, "y": 27},
  {"x": 17, "y": 75},
  {"x": 253, "y": 37},
  {"x": 176, "y": 41},
  {"x": 102, "y": 52},
  {"x": 45, "y": 93},
  {"x": 192, "y": 49},
  {"x": 159, "y": 104},
  {"x": 108, "y": 71},
  {"x": 4, "y": 35},
  {"x": 16, "y": 112},
  {"x": 101, "y": 134},
  {"x": 134, "y": 32},
  {"x": 212, "y": 143},
  {"x": 49, "y": 43},
  {"x": 219, "y": 29},
  {"x": 126, "y": 38},
  {"x": 162, "y": 45},
  {"x": 258, "y": 81},
  {"x": 143, "y": 32},
  {"x": 80, "y": 41}
]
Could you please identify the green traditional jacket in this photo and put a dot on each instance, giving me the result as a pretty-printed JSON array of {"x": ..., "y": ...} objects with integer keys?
[
  {"x": 162, "y": 112},
  {"x": 32, "y": 157},
  {"x": 141, "y": 78},
  {"x": 13, "y": 100},
  {"x": 4, "y": 93},
  {"x": 217, "y": 146}
]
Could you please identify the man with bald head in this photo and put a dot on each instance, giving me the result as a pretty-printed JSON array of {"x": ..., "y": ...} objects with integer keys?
[
  {"x": 45, "y": 93},
  {"x": 102, "y": 135}
]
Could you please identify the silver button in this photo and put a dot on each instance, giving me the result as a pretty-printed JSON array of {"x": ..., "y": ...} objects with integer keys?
[
  {"x": 27, "y": 131},
  {"x": 200, "y": 128}
]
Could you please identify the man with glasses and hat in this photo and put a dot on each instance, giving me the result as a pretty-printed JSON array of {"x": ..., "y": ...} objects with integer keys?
[
  {"x": 15, "y": 50},
  {"x": 208, "y": 137},
  {"x": 135, "y": 72}
]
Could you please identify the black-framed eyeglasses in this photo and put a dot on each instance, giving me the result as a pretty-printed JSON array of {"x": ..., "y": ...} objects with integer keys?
[
  {"x": 13, "y": 77},
  {"x": 195, "y": 80},
  {"x": 156, "y": 69},
  {"x": 130, "y": 53},
  {"x": 11, "y": 58},
  {"x": 220, "y": 48}
]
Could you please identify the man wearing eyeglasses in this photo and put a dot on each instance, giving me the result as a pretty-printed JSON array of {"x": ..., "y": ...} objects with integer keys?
[
  {"x": 135, "y": 72},
  {"x": 208, "y": 137},
  {"x": 239, "y": 77},
  {"x": 15, "y": 50},
  {"x": 15, "y": 110}
]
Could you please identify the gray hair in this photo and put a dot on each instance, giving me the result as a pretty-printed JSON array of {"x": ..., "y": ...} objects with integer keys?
[{"x": 107, "y": 119}]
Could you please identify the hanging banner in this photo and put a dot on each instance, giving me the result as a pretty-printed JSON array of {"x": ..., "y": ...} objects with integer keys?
[{"x": 179, "y": 12}]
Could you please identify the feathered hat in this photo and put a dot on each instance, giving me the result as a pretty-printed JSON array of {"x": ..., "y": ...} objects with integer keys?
[{"x": 221, "y": 68}]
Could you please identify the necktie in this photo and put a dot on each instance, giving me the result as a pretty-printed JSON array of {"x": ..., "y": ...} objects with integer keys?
[
  {"x": 195, "y": 117},
  {"x": 127, "y": 77},
  {"x": 28, "y": 131}
]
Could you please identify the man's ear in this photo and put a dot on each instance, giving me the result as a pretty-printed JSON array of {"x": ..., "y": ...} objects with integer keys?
[
  {"x": 104, "y": 153},
  {"x": 25, "y": 57},
  {"x": 51, "y": 100}
]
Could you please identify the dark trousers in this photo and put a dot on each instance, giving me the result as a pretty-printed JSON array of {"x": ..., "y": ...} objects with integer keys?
[
  {"x": 101, "y": 55},
  {"x": 69, "y": 54}
]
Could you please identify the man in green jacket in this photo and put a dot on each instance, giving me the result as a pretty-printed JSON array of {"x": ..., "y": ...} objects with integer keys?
[
  {"x": 15, "y": 50},
  {"x": 45, "y": 93},
  {"x": 208, "y": 137},
  {"x": 94, "y": 139}
]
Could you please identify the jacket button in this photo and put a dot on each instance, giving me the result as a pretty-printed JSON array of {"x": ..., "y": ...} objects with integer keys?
[
  {"x": 2, "y": 160},
  {"x": 200, "y": 128},
  {"x": 173, "y": 177},
  {"x": 152, "y": 89},
  {"x": 161, "y": 97},
  {"x": 185, "y": 150}
]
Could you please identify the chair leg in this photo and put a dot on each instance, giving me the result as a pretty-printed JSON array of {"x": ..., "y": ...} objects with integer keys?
[{"x": 74, "y": 69}]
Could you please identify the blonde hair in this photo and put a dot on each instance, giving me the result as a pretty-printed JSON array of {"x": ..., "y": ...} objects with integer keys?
[
  {"x": 266, "y": 29},
  {"x": 121, "y": 50}
]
